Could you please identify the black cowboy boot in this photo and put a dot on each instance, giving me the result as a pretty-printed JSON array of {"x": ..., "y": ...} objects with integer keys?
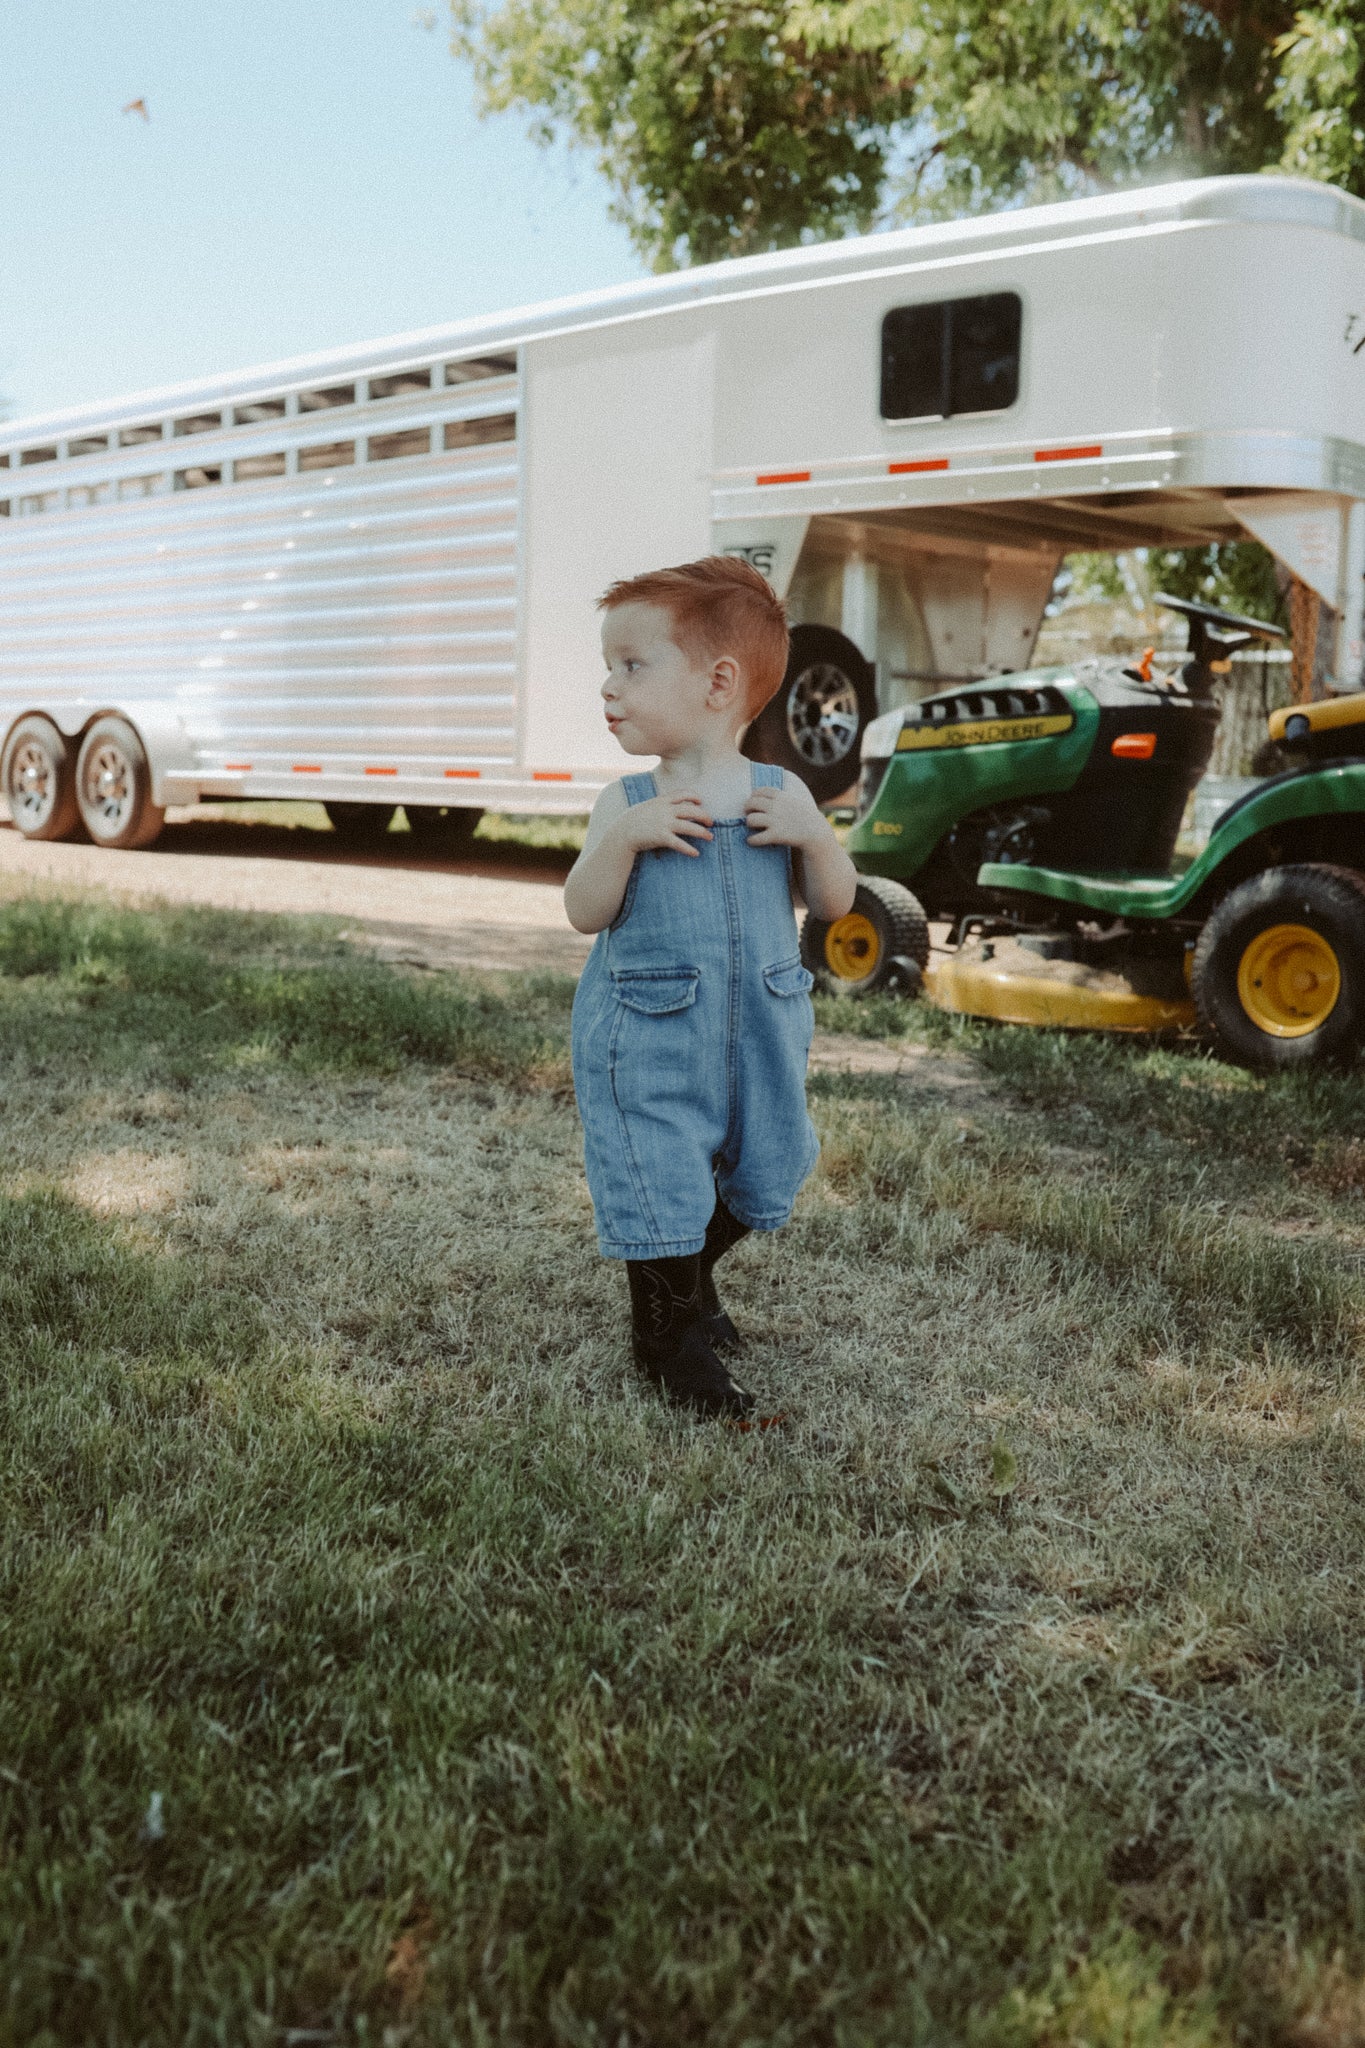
[
  {"x": 669, "y": 1340},
  {"x": 722, "y": 1233}
]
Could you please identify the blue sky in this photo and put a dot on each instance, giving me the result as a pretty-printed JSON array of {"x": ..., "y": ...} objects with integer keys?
[{"x": 313, "y": 173}]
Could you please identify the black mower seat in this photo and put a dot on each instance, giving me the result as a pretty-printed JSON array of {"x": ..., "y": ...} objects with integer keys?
[{"x": 1294, "y": 723}]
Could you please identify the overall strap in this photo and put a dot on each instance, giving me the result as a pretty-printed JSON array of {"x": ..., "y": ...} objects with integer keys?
[
  {"x": 766, "y": 775},
  {"x": 638, "y": 788}
]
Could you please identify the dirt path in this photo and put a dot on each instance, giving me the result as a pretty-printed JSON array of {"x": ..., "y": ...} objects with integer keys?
[{"x": 502, "y": 909}]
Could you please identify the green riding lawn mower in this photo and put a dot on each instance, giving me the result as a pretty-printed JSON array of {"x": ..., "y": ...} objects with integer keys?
[{"x": 1036, "y": 816}]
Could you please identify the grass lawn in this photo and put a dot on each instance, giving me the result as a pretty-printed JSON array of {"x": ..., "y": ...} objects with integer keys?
[{"x": 380, "y": 1663}]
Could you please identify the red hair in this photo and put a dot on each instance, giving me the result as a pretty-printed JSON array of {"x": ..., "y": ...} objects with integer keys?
[{"x": 719, "y": 605}]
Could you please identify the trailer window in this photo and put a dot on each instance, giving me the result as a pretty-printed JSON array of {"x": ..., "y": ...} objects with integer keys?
[
  {"x": 954, "y": 356},
  {"x": 37, "y": 455},
  {"x": 4, "y": 508},
  {"x": 327, "y": 455},
  {"x": 324, "y": 400},
  {"x": 88, "y": 494},
  {"x": 248, "y": 466},
  {"x": 88, "y": 444},
  {"x": 134, "y": 437},
  {"x": 139, "y": 486},
  {"x": 499, "y": 426},
  {"x": 384, "y": 447},
  {"x": 199, "y": 423},
  {"x": 196, "y": 479},
  {"x": 476, "y": 367},
  {"x": 41, "y": 501},
  {"x": 405, "y": 384},
  {"x": 258, "y": 409}
]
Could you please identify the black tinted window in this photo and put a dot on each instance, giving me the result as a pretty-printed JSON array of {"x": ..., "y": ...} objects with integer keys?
[{"x": 958, "y": 355}]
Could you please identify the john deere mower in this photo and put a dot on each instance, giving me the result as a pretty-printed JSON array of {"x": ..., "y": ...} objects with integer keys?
[{"x": 1036, "y": 815}]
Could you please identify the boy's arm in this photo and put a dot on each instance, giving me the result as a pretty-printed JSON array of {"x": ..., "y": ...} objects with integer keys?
[
  {"x": 617, "y": 831},
  {"x": 789, "y": 816}
]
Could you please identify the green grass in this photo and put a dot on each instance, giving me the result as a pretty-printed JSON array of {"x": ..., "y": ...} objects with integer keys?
[{"x": 380, "y": 1663}]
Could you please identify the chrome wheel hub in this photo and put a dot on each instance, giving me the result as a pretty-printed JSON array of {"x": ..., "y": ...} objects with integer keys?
[
  {"x": 32, "y": 784},
  {"x": 109, "y": 787},
  {"x": 822, "y": 715}
]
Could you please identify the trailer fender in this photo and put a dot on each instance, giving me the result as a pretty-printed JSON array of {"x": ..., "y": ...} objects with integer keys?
[{"x": 170, "y": 753}]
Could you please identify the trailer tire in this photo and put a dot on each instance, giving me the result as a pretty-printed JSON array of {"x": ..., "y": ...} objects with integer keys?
[
  {"x": 882, "y": 944},
  {"x": 360, "y": 824},
  {"x": 38, "y": 776},
  {"x": 1279, "y": 972},
  {"x": 815, "y": 723},
  {"x": 442, "y": 828},
  {"x": 114, "y": 787}
]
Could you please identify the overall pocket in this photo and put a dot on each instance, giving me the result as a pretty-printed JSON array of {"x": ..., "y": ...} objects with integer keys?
[
  {"x": 656, "y": 991},
  {"x": 789, "y": 978}
]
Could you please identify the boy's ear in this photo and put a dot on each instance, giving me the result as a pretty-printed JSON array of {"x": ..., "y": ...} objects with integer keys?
[{"x": 727, "y": 682}]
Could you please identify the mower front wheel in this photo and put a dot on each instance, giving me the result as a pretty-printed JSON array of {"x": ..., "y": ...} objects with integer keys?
[
  {"x": 882, "y": 944},
  {"x": 1279, "y": 971}
]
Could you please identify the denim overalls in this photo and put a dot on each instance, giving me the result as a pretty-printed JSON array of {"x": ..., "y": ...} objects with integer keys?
[{"x": 691, "y": 1028}]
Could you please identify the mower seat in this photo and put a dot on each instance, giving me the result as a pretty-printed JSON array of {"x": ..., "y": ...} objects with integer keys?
[{"x": 1334, "y": 726}]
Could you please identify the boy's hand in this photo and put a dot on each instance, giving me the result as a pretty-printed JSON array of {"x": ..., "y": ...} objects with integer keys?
[
  {"x": 784, "y": 817},
  {"x": 668, "y": 821}
]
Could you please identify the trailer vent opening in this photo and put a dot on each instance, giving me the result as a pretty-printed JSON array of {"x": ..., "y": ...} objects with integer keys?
[
  {"x": 137, "y": 437},
  {"x": 196, "y": 479},
  {"x": 415, "y": 441},
  {"x": 89, "y": 494},
  {"x": 88, "y": 444},
  {"x": 953, "y": 356},
  {"x": 499, "y": 426},
  {"x": 327, "y": 455},
  {"x": 41, "y": 501},
  {"x": 248, "y": 466},
  {"x": 37, "y": 455},
  {"x": 473, "y": 368},
  {"x": 199, "y": 423},
  {"x": 258, "y": 409},
  {"x": 139, "y": 486},
  {"x": 404, "y": 384},
  {"x": 323, "y": 400}
]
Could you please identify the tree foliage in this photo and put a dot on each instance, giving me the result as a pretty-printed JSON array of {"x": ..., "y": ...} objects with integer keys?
[{"x": 720, "y": 132}]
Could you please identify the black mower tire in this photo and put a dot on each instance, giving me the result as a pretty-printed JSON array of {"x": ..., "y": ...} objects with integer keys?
[
  {"x": 1279, "y": 971},
  {"x": 442, "y": 829},
  {"x": 360, "y": 824},
  {"x": 815, "y": 723},
  {"x": 885, "y": 935}
]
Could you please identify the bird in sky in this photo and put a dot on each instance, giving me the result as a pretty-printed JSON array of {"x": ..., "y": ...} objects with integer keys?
[{"x": 138, "y": 107}]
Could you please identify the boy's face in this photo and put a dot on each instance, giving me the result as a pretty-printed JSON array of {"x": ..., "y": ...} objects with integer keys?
[{"x": 657, "y": 698}]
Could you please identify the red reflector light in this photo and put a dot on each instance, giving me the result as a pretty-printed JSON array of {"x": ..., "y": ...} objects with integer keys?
[
  {"x": 550, "y": 775},
  {"x": 1068, "y": 454},
  {"x": 916, "y": 468},
  {"x": 1134, "y": 746},
  {"x": 784, "y": 476}
]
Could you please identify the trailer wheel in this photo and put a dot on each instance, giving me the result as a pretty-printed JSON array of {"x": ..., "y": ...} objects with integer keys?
[
  {"x": 815, "y": 723},
  {"x": 39, "y": 780},
  {"x": 442, "y": 828},
  {"x": 360, "y": 824},
  {"x": 1279, "y": 971},
  {"x": 114, "y": 787},
  {"x": 882, "y": 943}
]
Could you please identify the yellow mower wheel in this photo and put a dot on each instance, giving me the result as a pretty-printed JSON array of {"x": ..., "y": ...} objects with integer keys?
[
  {"x": 853, "y": 947},
  {"x": 881, "y": 943},
  {"x": 1289, "y": 979}
]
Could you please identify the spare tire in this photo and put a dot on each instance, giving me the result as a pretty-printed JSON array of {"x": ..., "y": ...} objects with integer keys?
[{"x": 815, "y": 723}]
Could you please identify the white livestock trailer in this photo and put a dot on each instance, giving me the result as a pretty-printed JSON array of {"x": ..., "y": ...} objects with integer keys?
[{"x": 369, "y": 577}]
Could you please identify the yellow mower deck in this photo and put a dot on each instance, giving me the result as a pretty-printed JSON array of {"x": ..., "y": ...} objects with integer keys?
[{"x": 1001, "y": 979}]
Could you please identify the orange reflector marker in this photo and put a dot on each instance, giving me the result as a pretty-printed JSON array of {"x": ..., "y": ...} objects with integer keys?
[
  {"x": 1134, "y": 746},
  {"x": 463, "y": 774},
  {"x": 381, "y": 771},
  {"x": 1068, "y": 454},
  {"x": 916, "y": 468},
  {"x": 308, "y": 767},
  {"x": 236, "y": 767},
  {"x": 784, "y": 476},
  {"x": 550, "y": 775}
]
